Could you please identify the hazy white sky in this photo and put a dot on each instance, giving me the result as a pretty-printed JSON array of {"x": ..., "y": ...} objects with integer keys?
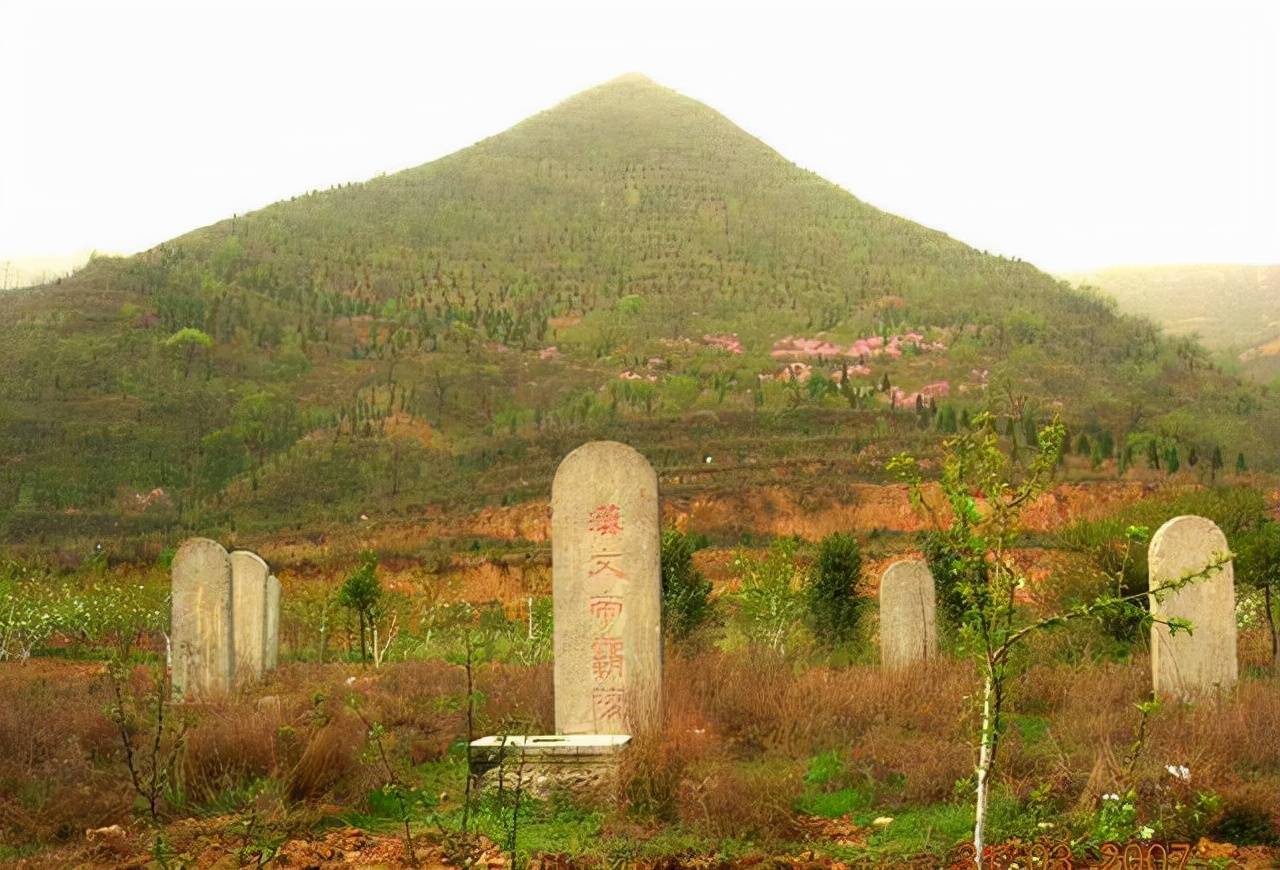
[{"x": 1072, "y": 134}]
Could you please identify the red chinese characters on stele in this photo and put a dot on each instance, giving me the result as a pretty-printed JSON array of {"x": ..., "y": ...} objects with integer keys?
[
  {"x": 609, "y": 705},
  {"x": 604, "y": 610},
  {"x": 606, "y": 658},
  {"x": 605, "y": 520},
  {"x": 604, "y": 523},
  {"x": 608, "y": 695}
]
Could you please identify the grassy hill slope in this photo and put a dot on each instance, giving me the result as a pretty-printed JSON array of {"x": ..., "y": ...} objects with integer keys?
[
  {"x": 626, "y": 264},
  {"x": 1234, "y": 309}
]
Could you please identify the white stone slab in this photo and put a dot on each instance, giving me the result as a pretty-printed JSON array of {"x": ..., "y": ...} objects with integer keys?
[
  {"x": 568, "y": 744},
  {"x": 1190, "y": 665},
  {"x": 607, "y": 590},
  {"x": 202, "y": 645},
  {"x": 272, "y": 654},
  {"x": 908, "y": 618},
  {"x": 249, "y": 610}
]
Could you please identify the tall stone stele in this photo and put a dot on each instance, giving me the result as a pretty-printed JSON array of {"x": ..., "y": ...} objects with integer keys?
[
  {"x": 201, "y": 631},
  {"x": 908, "y": 615},
  {"x": 606, "y": 590},
  {"x": 249, "y": 580},
  {"x": 1187, "y": 666},
  {"x": 272, "y": 654}
]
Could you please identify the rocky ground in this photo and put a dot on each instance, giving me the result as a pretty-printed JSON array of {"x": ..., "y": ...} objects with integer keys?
[{"x": 214, "y": 843}]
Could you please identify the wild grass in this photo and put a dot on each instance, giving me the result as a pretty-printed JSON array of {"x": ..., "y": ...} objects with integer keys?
[{"x": 751, "y": 745}]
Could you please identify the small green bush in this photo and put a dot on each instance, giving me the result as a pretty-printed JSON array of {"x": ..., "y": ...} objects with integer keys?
[
  {"x": 947, "y": 578},
  {"x": 686, "y": 594},
  {"x": 831, "y": 595}
]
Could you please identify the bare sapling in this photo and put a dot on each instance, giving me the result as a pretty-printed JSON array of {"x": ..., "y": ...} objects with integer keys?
[
  {"x": 402, "y": 793},
  {"x": 151, "y": 734},
  {"x": 984, "y": 491}
]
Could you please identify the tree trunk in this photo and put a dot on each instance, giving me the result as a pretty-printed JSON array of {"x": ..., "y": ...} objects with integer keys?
[
  {"x": 466, "y": 801},
  {"x": 986, "y": 758},
  {"x": 363, "y": 655}
]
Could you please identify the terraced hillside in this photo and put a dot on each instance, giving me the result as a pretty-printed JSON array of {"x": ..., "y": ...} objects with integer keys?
[{"x": 626, "y": 264}]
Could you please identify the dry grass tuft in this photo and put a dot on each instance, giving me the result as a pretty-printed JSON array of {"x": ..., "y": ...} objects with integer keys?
[
  {"x": 738, "y": 731},
  {"x": 230, "y": 745},
  {"x": 753, "y": 802},
  {"x": 52, "y": 737},
  {"x": 329, "y": 754}
]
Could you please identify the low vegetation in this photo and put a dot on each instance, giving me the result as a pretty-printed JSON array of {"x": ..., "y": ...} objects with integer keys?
[
  {"x": 758, "y": 756},
  {"x": 782, "y": 736}
]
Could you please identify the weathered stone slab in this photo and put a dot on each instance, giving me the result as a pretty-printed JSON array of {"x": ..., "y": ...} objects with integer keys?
[
  {"x": 1190, "y": 665},
  {"x": 606, "y": 590},
  {"x": 908, "y": 615},
  {"x": 201, "y": 633},
  {"x": 249, "y": 614},
  {"x": 543, "y": 764},
  {"x": 273, "y": 623}
]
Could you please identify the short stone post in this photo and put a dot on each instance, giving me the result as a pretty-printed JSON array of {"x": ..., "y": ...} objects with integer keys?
[
  {"x": 908, "y": 615},
  {"x": 1184, "y": 665},
  {"x": 606, "y": 590},
  {"x": 249, "y": 610},
  {"x": 201, "y": 633}
]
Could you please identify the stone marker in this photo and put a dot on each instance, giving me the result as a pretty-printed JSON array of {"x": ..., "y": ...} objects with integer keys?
[
  {"x": 1188, "y": 665},
  {"x": 908, "y": 616},
  {"x": 249, "y": 611},
  {"x": 606, "y": 590},
  {"x": 272, "y": 654},
  {"x": 545, "y": 764},
  {"x": 201, "y": 638}
]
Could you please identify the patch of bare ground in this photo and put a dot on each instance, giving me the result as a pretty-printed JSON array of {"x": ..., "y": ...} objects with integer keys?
[{"x": 764, "y": 511}]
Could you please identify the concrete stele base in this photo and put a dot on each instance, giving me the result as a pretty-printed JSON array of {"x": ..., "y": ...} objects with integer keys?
[{"x": 545, "y": 763}]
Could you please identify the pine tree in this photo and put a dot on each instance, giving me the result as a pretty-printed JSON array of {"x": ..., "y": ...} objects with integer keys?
[
  {"x": 686, "y": 593},
  {"x": 361, "y": 592},
  {"x": 946, "y": 420},
  {"x": 833, "y": 603}
]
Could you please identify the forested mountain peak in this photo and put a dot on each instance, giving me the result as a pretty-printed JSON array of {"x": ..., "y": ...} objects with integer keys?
[
  {"x": 618, "y": 264},
  {"x": 608, "y": 109}
]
